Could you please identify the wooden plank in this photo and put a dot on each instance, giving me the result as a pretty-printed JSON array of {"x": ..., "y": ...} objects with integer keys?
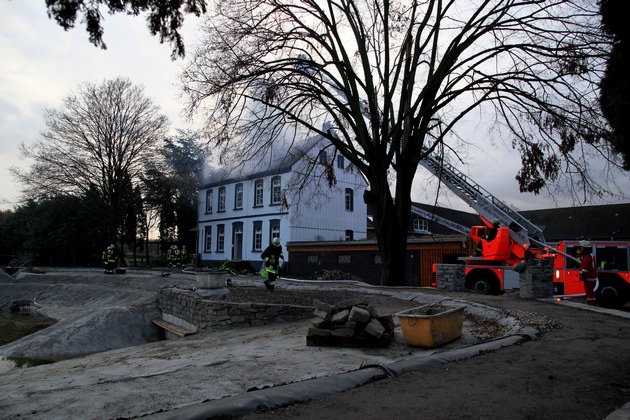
[{"x": 178, "y": 331}]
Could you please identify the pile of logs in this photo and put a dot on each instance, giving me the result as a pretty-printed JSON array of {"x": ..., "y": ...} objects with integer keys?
[{"x": 350, "y": 323}]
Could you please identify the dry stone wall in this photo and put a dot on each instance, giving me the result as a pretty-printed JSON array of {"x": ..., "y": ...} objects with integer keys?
[
  {"x": 536, "y": 282},
  {"x": 189, "y": 310},
  {"x": 451, "y": 277}
]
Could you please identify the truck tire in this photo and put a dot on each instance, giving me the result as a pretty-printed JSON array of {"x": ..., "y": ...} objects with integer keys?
[
  {"x": 481, "y": 285},
  {"x": 612, "y": 293}
]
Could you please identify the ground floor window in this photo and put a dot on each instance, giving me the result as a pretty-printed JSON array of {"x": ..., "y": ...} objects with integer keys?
[
  {"x": 344, "y": 259},
  {"x": 208, "y": 241},
  {"x": 220, "y": 238},
  {"x": 257, "y": 236}
]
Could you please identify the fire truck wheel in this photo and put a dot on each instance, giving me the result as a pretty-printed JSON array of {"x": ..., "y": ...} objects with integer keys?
[
  {"x": 481, "y": 285},
  {"x": 612, "y": 293}
]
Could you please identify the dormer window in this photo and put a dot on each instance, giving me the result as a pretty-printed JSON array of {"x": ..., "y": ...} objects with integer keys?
[{"x": 420, "y": 225}]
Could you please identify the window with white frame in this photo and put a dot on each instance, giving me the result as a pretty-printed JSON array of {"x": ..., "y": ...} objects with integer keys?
[
  {"x": 220, "y": 238},
  {"x": 349, "y": 199},
  {"x": 209, "y": 197},
  {"x": 208, "y": 242},
  {"x": 276, "y": 190},
  {"x": 323, "y": 157},
  {"x": 221, "y": 206},
  {"x": 258, "y": 235},
  {"x": 274, "y": 229},
  {"x": 238, "y": 197},
  {"x": 258, "y": 193},
  {"x": 420, "y": 225},
  {"x": 341, "y": 164}
]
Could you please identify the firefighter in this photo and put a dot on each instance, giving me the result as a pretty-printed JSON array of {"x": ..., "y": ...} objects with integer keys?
[
  {"x": 110, "y": 259},
  {"x": 271, "y": 266},
  {"x": 184, "y": 256},
  {"x": 491, "y": 233},
  {"x": 171, "y": 255},
  {"x": 588, "y": 273},
  {"x": 178, "y": 258}
]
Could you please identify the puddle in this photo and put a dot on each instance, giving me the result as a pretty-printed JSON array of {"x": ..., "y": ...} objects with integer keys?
[{"x": 15, "y": 325}]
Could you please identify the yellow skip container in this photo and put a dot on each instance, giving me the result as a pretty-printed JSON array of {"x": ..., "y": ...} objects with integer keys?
[{"x": 431, "y": 325}]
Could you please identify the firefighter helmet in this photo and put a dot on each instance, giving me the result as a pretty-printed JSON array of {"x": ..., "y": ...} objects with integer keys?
[
  {"x": 275, "y": 241},
  {"x": 585, "y": 244}
]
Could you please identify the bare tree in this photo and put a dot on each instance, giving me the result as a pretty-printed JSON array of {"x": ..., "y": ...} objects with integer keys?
[
  {"x": 98, "y": 141},
  {"x": 397, "y": 79}
]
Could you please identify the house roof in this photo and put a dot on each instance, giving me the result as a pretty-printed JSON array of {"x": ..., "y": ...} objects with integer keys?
[
  {"x": 276, "y": 160},
  {"x": 606, "y": 222}
]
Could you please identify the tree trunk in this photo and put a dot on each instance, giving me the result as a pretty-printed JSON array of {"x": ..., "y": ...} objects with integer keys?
[
  {"x": 391, "y": 233},
  {"x": 391, "y": 223},
  {"x": 393, "y": 247}
]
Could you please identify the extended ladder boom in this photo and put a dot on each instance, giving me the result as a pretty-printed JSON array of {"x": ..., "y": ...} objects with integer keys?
[
  {"x": 488, "y": 206},
  {"x": 444, "y": 222}
]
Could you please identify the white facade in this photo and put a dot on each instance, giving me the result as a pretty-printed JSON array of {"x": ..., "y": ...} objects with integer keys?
[{"x": 240, "y": 214}]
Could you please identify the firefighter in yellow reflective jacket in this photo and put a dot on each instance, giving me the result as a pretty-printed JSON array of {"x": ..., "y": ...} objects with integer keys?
[
  {"x": 271, "y": 266},
  {"x": 183, "y": 257},
  {"x": 171, "y": 256},
  {"x": 110, "y": 259}
]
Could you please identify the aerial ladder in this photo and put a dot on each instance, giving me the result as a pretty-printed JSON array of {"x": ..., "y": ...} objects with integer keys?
[
  {"x": 490, "y": 208},
  {"x": 441, "y": 220}
]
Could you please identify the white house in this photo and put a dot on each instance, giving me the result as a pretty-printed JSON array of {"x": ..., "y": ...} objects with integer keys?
[{"x": 241, "y": 210}]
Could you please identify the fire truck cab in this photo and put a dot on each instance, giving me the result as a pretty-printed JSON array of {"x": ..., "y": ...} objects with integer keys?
[{"x": 612, "y": 260}]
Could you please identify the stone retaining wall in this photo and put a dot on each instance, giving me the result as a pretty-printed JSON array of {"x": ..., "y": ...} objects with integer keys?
[
  {"x": 536, "y": 282},
  {"x": 189, "y": 310},
  {"x": 451, "y": 277}
]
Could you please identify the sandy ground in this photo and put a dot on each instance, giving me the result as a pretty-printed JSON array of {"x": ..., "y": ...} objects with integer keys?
[{"x": 166, "y": 378}]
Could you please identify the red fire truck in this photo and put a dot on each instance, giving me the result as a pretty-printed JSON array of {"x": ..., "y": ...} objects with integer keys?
[
  {"x": 507, "y": 240},
  {"x": 494, "y": 270}
]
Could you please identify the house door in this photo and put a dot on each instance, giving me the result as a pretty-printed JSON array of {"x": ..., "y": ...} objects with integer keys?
[{"x": 237, "y": 242}]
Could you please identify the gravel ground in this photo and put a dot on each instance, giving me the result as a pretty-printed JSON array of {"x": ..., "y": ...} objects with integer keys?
[
  {"x": 285, "y": 297},
  {"x": 577, "y": 368}
]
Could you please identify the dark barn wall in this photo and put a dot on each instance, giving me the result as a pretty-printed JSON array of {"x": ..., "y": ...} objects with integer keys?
[{"x": 362, "y": 259}]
